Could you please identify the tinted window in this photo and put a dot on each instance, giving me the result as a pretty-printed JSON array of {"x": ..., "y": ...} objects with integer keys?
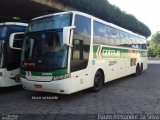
[
  {"x": 83, "y": 26},
  {"x": 100, "y": 33},
  {"x": 134, "y": 45},
  {"x": 77, "y": 50},
  {"x": 3, "y": 32},
  {"x": 112, "y": 36},
  {"x": 14, "y": 29},
  {"x": 130, "y": 40},
  {"x": 124, "y": 39},
  {"x": 52, "y": 22},
  {"x": 142, "y": 44},
  {"x": 45, "y": 46},
  {"x": 117, "y": 37},
  {"x": 81, "y": 43}
]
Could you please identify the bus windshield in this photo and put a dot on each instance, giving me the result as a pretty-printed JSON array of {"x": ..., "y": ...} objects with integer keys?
[
  {"x": 1, "y": 53},
  {"x": 44, "y": 51},
  {"x": 3, "y": 32},
  {"x": 3, "y": 35},
  {"x": 43, "y": 44},
  {"x": 52, "y": 22}
]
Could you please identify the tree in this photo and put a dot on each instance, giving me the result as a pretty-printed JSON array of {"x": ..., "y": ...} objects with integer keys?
[
  {"x": 110, "y": 13},
  {"x": 156, "y": 38},
  {"x": 154, "y": 47}
]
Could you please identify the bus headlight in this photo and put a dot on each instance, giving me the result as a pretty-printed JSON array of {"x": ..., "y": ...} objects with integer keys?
[
  {"x": 60, "y": 77},
  {"x": 22, "y": 76}
]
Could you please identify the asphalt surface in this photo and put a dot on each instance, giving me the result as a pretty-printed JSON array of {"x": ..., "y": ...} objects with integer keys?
[{"x": 128, "y": 95}]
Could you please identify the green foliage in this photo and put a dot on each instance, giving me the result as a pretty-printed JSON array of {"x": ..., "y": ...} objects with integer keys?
[
  {"x": 104, "y": 10},
  {"x": 154, "y": 47},
  {"x": 155, "y": 38}
]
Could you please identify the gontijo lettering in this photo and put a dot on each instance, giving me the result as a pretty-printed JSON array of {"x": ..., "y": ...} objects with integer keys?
[{"x": 115, "y": 53}]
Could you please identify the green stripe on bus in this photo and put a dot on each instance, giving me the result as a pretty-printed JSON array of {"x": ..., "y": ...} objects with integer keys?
[
  {"x": 109, "y": 52},
  {"x": 51, "y": 73}
]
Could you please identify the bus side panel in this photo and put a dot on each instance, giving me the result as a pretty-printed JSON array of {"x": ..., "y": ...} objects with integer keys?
[
  {"x": 82, "y": 79},
  {"x": 9, "y": 78}
]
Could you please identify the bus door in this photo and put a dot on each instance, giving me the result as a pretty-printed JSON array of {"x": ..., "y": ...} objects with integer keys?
[
  {"x": 80, "y": 52},
  {"x": 79, "y": 62}
]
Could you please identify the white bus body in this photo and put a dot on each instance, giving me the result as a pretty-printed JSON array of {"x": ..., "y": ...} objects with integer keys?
[
  {"x": 73, "y": 51},
  {"x": 9, "y": 58}
]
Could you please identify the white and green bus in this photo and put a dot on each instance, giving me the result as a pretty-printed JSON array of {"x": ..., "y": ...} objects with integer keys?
[
  {"x": 71, "y": 51},
  {"x": 10, "y": 56}
]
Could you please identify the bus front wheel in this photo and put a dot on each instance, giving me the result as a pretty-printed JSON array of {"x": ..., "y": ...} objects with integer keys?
[{"x": 98, "y": 82}]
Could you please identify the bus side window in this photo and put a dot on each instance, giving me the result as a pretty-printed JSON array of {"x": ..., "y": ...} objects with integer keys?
[
  {"x": 111, "y": 33},
  {"x": 81, "y": 43},
  {"x": 100, "y": 34},
  {"x": 77, "y": 55},
  {"x": 76, "y": 52},
  {"x": 130, "y": 40},
  {"x": 144, "y": 46},
  {"x": 117, "y": 37}
]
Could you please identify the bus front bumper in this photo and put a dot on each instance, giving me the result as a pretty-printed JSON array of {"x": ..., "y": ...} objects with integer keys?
[{"x": 59, "y": 86}]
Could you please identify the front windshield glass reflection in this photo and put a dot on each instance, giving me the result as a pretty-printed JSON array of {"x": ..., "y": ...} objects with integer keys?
[
  {"x": 45, "y": 50},
  {"x": 51, "y": 22},
  {"x": 3, "y": 32}
]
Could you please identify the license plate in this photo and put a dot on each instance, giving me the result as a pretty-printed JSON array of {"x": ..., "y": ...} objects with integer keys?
[{"x": 37, "y": 86}]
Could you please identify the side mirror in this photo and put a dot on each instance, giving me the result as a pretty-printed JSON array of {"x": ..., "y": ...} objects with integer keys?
[
  {"x": 16, "y": 40},
  {"x": 66, "y": 35}
]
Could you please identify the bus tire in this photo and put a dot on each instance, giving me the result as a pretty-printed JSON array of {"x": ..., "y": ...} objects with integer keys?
[
  {"x": 138, "y": 69},
  {"x": 141, "y": 69},
  {"x": 98, "y": 82}
]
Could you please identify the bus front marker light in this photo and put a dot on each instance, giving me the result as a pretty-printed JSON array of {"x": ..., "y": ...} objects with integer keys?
[
  {"x": 23, "y": 74},
  {"x": 60, "y": 77}
]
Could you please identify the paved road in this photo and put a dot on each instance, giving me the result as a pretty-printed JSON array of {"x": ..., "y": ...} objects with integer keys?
[{"x": 128, "y": 95}]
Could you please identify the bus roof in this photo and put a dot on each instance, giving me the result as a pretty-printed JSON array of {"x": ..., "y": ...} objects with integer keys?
[
  {"x": 14, "y": 23},
  {"x": 60, "y": 13},
  {"x": 94, "y": 18}
]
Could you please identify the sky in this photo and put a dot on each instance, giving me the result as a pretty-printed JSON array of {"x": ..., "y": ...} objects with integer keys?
[{"x": 146, "y": 11}]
